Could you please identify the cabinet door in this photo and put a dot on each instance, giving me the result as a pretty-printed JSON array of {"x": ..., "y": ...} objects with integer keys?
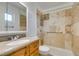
[
  {"x": 34, "y": 46},
  {"x": 27, "y": 51},
  {"x": 36, "y": 53},
  {"x": 20, "y": 52}
]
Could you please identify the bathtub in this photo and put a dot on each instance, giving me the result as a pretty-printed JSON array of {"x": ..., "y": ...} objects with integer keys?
[{"x": 54, "y": 51}]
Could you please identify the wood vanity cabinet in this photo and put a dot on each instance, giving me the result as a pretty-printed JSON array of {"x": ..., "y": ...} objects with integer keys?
[
  {"x": 34, "y": 48},
  {"x": 35, "y": 53},
  {"x": 20, "y": 52},
  {"x": 27, "y": 50},
  {"x": 30, "y": 50}
]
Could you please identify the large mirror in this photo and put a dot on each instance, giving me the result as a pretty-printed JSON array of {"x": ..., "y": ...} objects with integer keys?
[{"x": 12, "y": 16}]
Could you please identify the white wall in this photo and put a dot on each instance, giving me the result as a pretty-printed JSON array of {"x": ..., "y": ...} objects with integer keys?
[{"x": 32, "y": 20}]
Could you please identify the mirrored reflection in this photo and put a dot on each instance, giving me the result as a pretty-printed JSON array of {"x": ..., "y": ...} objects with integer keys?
[{"x": 12, "y": 16}]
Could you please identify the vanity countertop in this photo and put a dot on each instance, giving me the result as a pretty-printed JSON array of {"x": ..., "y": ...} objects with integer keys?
[{"x": 6, "y": 47}]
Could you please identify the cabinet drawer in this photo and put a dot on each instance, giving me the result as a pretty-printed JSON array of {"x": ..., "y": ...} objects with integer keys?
[
  {"x": 20, "y": 52},
  {"x": 36, "y": 53},
  {"x": 27, "y": 50},
  {"x": 34, "y": 46}
]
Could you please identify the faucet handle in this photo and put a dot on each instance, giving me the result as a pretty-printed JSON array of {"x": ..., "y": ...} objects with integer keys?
[{"x": 16, "y": 37}]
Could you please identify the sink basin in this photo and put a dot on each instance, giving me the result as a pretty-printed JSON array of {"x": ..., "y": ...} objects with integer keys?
[{"x": 18, "y": 42}]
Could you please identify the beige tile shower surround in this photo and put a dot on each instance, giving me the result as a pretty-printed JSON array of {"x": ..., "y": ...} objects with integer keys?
[{"x": 58, "y": 36}]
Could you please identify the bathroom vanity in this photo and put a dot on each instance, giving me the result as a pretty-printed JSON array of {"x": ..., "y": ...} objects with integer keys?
[
  {"x": 31, "y": 49},
  {"x": 20, "y": 47}
]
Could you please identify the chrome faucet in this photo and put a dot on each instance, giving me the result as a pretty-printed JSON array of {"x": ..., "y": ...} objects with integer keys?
[{"x": 15, "y": 37}]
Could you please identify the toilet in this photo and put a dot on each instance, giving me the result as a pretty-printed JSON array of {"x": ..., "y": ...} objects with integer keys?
[{"x": 44, "y": 50}]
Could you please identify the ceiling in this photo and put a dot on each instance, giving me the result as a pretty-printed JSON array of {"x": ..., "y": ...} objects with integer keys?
[
  {"x": 18, "y": 5},
  {"x": 48, "y": 5}
]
